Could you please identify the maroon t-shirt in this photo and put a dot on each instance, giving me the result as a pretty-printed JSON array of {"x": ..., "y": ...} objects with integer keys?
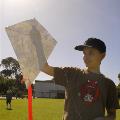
[{"x": 87, "y": 94}]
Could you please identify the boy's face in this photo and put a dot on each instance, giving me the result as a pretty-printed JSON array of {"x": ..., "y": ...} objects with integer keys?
[{"x": 92, "y": 57}]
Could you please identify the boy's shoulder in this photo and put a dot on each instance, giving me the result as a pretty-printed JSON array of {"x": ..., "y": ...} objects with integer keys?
[
  {"x": 74, "y": 69},
  {"x": 109, "y": 82}
]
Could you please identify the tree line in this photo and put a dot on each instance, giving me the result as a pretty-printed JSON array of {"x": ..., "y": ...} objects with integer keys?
[{"x": 10, "y": 77}]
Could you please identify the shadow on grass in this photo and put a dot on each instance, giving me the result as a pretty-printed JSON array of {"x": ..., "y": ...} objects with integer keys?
[{"x": 9, "y": 108}]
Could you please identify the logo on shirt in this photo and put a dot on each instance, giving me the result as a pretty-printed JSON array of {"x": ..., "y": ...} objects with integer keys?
[{"x": 89, "y": 92}]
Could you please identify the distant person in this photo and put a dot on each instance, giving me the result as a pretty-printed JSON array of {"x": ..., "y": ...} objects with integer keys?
[{"x": 8, "y": 98}]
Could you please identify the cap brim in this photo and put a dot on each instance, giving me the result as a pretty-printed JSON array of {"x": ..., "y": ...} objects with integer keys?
[{"x": 81, "y": 47}]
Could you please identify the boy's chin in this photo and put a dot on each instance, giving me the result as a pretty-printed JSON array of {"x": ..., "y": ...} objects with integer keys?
[{"x": 88, "y": 66}]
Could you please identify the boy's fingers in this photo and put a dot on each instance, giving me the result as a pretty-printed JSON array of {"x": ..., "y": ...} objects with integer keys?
[{"x": 27, "y": 82}]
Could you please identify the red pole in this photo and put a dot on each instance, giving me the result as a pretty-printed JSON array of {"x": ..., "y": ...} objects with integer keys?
[{"x": 30, "y": 103}]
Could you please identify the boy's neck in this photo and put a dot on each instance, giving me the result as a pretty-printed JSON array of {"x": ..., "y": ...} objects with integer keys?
[{"x": 94, "y": 69}]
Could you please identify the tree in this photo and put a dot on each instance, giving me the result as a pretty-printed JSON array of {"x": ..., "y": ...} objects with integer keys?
[
  {"x": 11, "y": 75},
  {"x": 119, "y": 76},
  {"x": 5, "y": 84},
  {"x": 11, "y": 68},
  {"x": 119, "y": 80}
]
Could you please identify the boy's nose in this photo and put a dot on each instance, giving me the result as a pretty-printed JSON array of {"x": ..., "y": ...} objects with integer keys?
[{"x": 85, "y": 57}]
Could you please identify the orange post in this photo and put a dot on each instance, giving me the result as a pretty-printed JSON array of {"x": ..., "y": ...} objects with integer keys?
[{"x": 30, "y": 103}]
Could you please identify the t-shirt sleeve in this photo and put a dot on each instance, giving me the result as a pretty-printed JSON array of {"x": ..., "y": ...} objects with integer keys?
[
  {"x": 63, "y": 75},
  {"x": 112, "y": 97}
]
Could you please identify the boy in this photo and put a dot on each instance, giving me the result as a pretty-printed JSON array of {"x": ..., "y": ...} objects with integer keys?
[{"x": 87, "y": 91}]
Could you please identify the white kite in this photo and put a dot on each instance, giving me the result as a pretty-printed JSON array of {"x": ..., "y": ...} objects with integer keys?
[{"x": 32, "y": 44}]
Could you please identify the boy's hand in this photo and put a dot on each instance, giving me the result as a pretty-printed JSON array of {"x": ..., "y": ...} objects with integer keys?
[
  {"x": 27, "y": 82},
  {"x": 111, "y": 114}
]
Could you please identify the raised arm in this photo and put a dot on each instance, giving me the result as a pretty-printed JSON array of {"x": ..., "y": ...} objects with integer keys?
[{"x": 48, "y": 69}]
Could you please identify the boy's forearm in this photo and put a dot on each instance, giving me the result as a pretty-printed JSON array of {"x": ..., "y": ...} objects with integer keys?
[
  {"x": 48, "y": 69},
  {"x": 111, "y": 114}
]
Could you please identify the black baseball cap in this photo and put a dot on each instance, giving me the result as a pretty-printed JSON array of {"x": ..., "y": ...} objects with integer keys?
[{"x": 93, "y": 43}]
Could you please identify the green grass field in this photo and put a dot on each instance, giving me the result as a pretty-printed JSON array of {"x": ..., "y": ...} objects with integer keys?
[{"x": 43, "y": 109}]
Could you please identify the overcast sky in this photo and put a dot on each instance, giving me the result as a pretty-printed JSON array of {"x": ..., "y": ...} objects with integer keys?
[{"x": 70, "y": 22}]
